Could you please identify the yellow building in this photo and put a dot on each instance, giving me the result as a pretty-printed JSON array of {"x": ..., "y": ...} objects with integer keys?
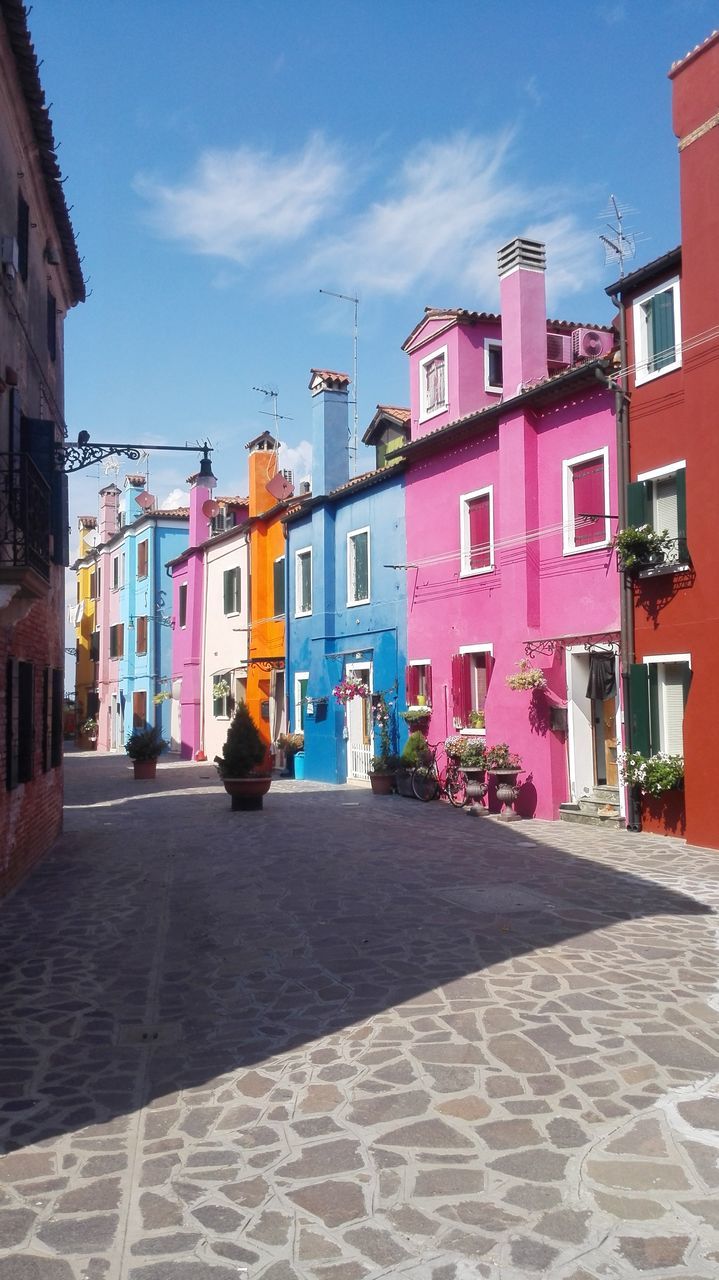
[{"x": 88, "y": 588}]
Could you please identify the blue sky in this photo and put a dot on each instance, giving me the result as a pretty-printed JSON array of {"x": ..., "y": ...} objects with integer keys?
[{"x": 225, "y": 161}]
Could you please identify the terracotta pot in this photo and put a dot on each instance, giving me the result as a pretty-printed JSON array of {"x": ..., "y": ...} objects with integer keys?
[
  {"x": 145, "y": 769},
  {"x": 382, "y": 784},
  {"x": 664, "y": 815},
  {"x": 247, "y": 793}
]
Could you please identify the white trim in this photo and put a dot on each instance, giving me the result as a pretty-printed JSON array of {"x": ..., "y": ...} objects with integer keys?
[
  {"x": 465, "y": 545},
  {"x": 641, "y": 352},
  {"x": 491, "y": 387},
  {"x": 568, "y": 531},
  {"x": 302, "y": 613},
  {"x": 297, "y": 700},
  {"x": 658, "y": 472},
  {"x": 424, "y": 413},
  {"x": 669, "y": 657},
  {"x": 353, "y": 533},
  {"x": 476, "y": 648},
  {"x": 419, "y": 662}
]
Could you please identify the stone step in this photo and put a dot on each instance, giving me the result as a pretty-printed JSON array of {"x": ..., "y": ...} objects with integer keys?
[
  {"x": 573, "y": 813},
  {"x": 610, "y": 795},
  {"x": 590, "y": 804}
]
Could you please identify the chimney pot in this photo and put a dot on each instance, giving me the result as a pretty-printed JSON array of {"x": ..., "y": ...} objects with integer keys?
[{"x": 530, "y": 254}]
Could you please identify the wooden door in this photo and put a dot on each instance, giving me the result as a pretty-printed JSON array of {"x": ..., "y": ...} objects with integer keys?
[{"x": 609, "y": 724}]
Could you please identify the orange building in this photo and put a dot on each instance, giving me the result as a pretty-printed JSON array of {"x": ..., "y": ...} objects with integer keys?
[{"x": 269, "y": 495}]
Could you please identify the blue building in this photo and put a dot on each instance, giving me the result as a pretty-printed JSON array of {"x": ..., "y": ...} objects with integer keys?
[{"x": 346, "y": 590}]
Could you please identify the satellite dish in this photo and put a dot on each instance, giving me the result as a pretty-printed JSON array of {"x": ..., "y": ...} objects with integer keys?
[
  {"x": 91, "y": 539},
  {"x": 145, "y": 500},
  {"x": 210, "y": 508},
  {"x": 280, "y": 487}
]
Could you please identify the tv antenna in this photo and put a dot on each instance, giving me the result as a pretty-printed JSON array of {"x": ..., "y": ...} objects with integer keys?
[
  {"x": 273, "y": 394},
  {"x": 620, "y": 245},
  {"x": 354, "y": 433},
  {"x": 112, "y": 467}
]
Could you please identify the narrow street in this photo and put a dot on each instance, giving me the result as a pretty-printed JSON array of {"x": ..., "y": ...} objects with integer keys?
[{"x": 353, "y": 1037}]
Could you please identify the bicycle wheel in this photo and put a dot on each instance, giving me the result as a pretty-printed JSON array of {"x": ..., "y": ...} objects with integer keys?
[
  {"x": 425, "y": 783},
  {"x": 456, "y": 786}
]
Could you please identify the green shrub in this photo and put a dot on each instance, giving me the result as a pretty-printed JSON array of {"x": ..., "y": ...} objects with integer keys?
[{"x": 243, "y": 749}]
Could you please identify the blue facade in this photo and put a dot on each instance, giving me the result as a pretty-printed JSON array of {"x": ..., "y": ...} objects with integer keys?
[
  {"x": 147, "y": 594},
  {"x": 337, "y": 636}
]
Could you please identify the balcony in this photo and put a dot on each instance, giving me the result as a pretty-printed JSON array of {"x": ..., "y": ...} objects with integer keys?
[
  {"x": 24, "y": 526},
  {"x": 673, "y": 558}
]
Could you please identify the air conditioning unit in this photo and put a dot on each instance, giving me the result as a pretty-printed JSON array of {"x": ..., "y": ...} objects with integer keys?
[
  {"x": 9, "y": 254},
  {"x": 559, "y": 348},
  {"x": 589, "y": 344}
]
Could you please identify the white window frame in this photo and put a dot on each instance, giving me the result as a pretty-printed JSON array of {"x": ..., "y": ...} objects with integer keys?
[
  {"x": 488, "y": 385},
  {"x": 226, "y": 698},
  {"x": 297, "y": 699},
  {"x": 353, "y": 533},
  {"x": 465, "y": 545},
  {"x": 115, "y": 573},
  {"x": 569, "y": 547},
  {"x": 424, "y": 412},
  {"x": 659, "y": 472},
  {"x": 182, "y": 586},
  {"x": 642, "y": 372},
  {"x": 664, "y": 659},
  {"x": 234, "y": 570},
  {"x": 299, "y": 553}
]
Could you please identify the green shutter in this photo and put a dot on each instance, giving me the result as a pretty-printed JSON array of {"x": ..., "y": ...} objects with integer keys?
[
  {"x": 652, "y": 669},
  {"x": 639, "y": 503},
  {"x": 640, "y": 732},
  {"x": 279, "y": 586},
  {"x": 680, "y": 478},
  {"x": 227, "y": 589}
]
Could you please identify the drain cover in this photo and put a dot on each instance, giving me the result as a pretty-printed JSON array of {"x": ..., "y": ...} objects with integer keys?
[
  {"x": 504, "y": 898},
  {"x": 150, "y": 1034}
]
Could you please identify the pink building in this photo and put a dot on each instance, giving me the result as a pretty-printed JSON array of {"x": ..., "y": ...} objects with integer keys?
[{"x": 509, "y": 503}]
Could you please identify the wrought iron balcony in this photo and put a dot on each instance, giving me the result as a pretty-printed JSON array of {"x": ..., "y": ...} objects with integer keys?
[
  {"x": 24, "y": 523},
  {"x": 673, "y": 558}
]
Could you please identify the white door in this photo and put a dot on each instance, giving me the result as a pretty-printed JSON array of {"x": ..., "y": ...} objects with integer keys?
[
  {"x": 580, "y": 742},
  {"x": 359, "y": 725}
]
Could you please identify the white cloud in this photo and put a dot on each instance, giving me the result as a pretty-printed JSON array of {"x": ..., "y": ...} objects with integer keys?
[
  {"x": 297, "y": 459},
  {"x": 175, "y": 498},
  {"x": 238, "y": 202}
]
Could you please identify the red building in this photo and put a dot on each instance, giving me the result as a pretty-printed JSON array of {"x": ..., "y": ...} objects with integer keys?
[{"x": 670, "y": 315}]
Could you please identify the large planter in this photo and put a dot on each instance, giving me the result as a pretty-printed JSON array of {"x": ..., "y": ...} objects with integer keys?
[
  {"x": 476, "y": 788},
  {"x": 144, "y": 769},
  {"x": 664, "y": 815},
  {"x": 299, "y": 765},
  {"x": 403, "y": 782},
  {"x": 506, "y": 790},
  {"x": 382, "y": 784},
  {"x": 85, "y": 743},
  {"x": 247, "y": 793}
]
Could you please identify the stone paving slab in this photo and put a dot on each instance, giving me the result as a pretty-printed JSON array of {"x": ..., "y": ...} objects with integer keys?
[{"x": 353, "y": 1037}]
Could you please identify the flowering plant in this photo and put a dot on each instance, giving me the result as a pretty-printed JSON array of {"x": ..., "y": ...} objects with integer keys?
[
  {"x": 637, "y": 544},
  {"x": 163, "y": 696},
  {"x": 381, "y": 716},
  {"x": 89, "y": 726},
  {"x": 500, "y": 757},
  {"x": 416, "y": 715},
  {"x": 468, "y": 752},
  {"x": 291, "y": 743},
  {"x": 652, "y": 774},
  {"x": 221, "y": 689},
  {"x": 349, "y": 688},
  {"x": 526, "y": 677}
]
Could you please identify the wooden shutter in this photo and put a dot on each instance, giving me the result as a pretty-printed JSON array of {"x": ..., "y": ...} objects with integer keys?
[
  {"x": 26, "y": 722},
  {"x": 51, "y": 325},
  {"x": 480, "y": 556},
  {"x": 11, "y": 724},
  {"x": 139, "y": 709},
  {"x": 639, "y": 502},
  {"x": 461, "y": 687},
  {"x": 141, "y": 634},
  {"x": 38, "y": 441},
  {"x": 683, "y": 548},
  {"x": 589, "y": 501},
  {"x": 47, "y": 718},
  {"x": 182, "y": 604},
  {"x": 428, "y": 683},
  {"x": 640, "y": 728},
  {"x": 23, "y": 234},
  {"x": 58, "y": 698},
  {"x": 411, "y": 684},
  {"x": 279, "y": 586},
  {"x": 227, "y": 603},
  {"x": 142, "y": 559}
]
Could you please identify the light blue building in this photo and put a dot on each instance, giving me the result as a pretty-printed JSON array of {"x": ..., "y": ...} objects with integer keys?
[{"x": 346, "y": 589}]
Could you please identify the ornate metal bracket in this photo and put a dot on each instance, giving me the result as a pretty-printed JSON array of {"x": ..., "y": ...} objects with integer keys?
[{"x": 75, "y": 457}]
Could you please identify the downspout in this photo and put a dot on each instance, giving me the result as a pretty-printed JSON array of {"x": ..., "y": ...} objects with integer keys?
[{"x": 626, "y": 598}]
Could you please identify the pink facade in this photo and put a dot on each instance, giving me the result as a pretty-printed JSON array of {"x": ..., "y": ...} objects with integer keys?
[
  {"x": 187, "y": 610},
  {"x": 544, "y": 572}
]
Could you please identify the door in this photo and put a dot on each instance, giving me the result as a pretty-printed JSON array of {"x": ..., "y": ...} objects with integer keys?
[
  {"x": 605, "y": 742},
  {"x": 359, "y": 725}
]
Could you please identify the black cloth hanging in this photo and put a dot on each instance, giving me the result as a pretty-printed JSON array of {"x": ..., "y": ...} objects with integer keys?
[{"x": 602, "y": 676}]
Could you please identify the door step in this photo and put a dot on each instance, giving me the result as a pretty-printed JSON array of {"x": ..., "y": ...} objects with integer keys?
[{"x": 598, "y": 808}]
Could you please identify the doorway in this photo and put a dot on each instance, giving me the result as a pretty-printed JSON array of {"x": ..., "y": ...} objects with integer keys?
[
  {"x": 593, "y": 734},
  {"x": 359, "y": 725}
]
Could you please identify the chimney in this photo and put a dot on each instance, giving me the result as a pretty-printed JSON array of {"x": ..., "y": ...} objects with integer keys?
[
  {"x": 109, "y": 499},
  {"x": 87, "y": 526},
  {"x": 522, "y": 265},
  {"x": 262, "y": 467},
  {"x": 128, "y": 506},
  {"x": 330, "y": 430},
  {"x": 201, "y": 486}
]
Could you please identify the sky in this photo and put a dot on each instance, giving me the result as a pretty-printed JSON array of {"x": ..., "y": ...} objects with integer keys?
[{"x": 225, "y": 161}]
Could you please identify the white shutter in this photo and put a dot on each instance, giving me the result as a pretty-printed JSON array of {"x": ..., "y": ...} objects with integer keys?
[
  {"x": 665, "y": 506},
  {"x": 672, "y": 695}
]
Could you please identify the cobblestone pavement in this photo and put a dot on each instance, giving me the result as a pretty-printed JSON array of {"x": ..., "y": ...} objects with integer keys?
[{"x": 354, "y": 1037}]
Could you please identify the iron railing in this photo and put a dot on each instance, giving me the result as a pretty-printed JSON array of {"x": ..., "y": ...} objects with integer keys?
[{"x": 24, "y": 515}]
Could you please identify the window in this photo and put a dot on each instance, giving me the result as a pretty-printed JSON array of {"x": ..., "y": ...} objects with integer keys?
[
  {"x": 142, "y": 558},
  {"x": 23, "y": 235},
  {"x": 231, "y": 590},
  {"x": 303, "y": 582},
  {"x": 222, "y": 695},
  {"x": 51, "y": 325},
  {"x": 657, "y": 332},
  {"x": 279, "y": 586},
  {"x": 58, "y": 703},
  {"x": 47, "y": 718},
  {"x": 93, "y": 584},
  {"x": 358, "y": 569},
  {"x": 182, "y": 604},
  {"x": 20, "y": 722},
  {"x": 585, "y": 502},
  {"x": 492, "y": 365},
  {"x": 418, "y": 682},
  {"x": 302, "y": 679},
  {"x": 122, "y": 569},
  {"x": 659, "y": 498},
  {"x": 471, "y": 673},
  {"x": 115, "y": 572},
  {"x": 117, "y": 641},
  {"x": 476, "y": 532},
  {"x": 659, "y": 687},
  {"x": 99, "y": 572},
  {"x": 139, "y": 710},
  {"x": 141, "y": 634},
  {"x": 433, "y": 384},
  {"x": 95, "y": 646}
]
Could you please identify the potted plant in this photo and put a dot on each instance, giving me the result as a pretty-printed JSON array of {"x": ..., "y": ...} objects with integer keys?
[
  {"x": 417, "y": 718},
  {"x": 243, "y": 763},
  {"x": 659, "y": 779},
  {"x": 293, "y": 746},
  {"x": 382, "y": 773},
  {"x": 504, "y": 767},
  {"x": 526, "y": 677},
  {"x": 476, "y": 720},
  {"x": 349, "y": 688},
  {"x": 414, "y": 754},
  {"x": 470, "y": 754},
  {"x": 143, "y": 747},
  {"x": 640, "y": 546},
  {"x": 87, "y": 735}
]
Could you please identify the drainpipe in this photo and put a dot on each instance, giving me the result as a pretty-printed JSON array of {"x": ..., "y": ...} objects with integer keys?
[{"x": 626, "y": 598}]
